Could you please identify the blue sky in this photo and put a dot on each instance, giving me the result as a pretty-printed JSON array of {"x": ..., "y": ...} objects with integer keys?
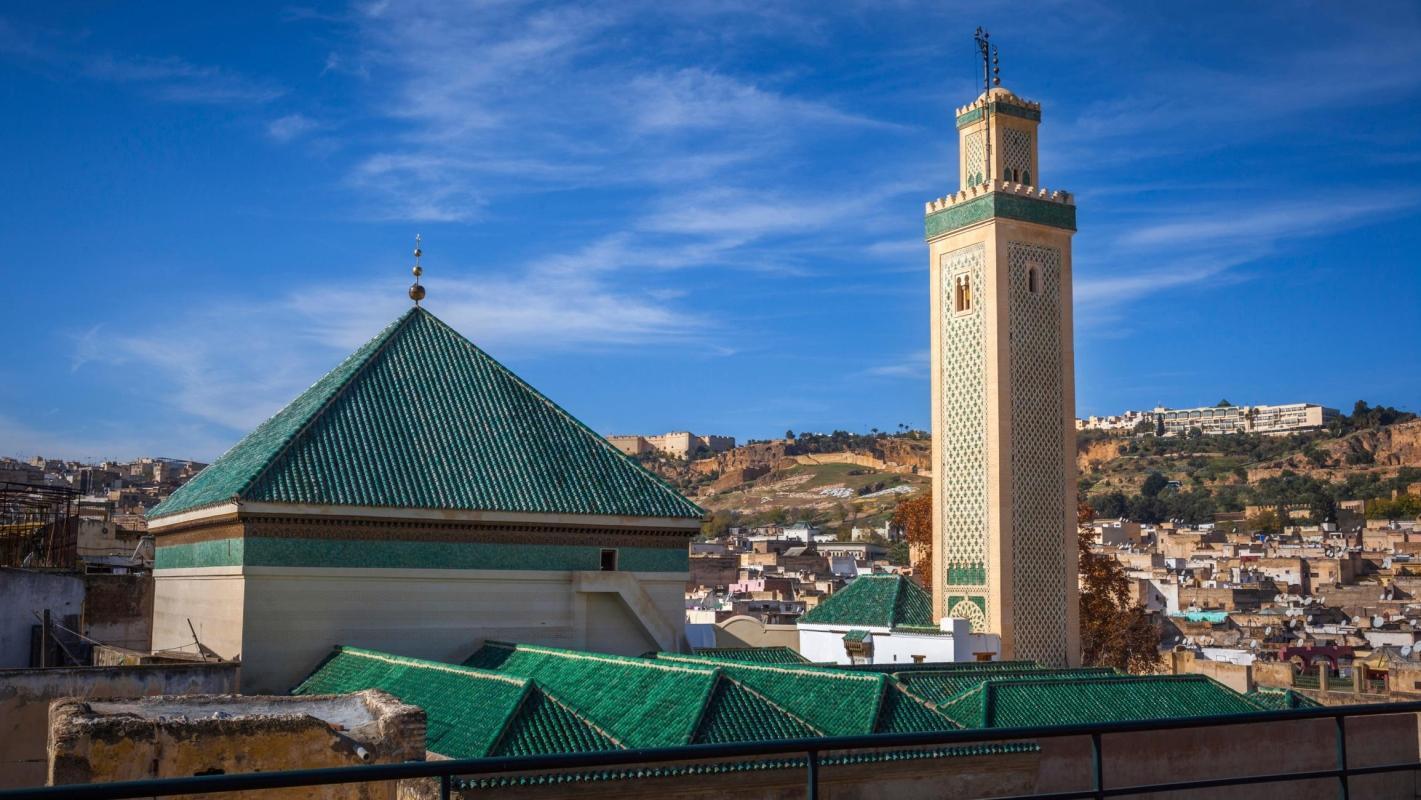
[{"x": 683, "y": 215}]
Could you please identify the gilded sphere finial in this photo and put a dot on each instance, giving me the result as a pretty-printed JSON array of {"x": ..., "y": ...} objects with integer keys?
[
  {"x": 416, "y": 293},
  {"x": 417, "y": 271}
]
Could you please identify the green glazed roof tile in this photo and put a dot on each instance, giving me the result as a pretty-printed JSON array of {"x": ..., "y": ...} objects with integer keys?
[
  {"x": 758, "y": 655},
  {"x": 1010, "y": 702},
  {"x": 876, "y": 601},
  {"x": 1281, "y": 699},
  {"x": 946, "y": 685},
  {"x": 646, "y": 702},
  {"x": 736, "y": 714},
  {"x": 835, "y": 701},
  {"x": 419, "y": 417},
  {"x": 855, "y": 635},
  {"x": 469, "y": 713}
]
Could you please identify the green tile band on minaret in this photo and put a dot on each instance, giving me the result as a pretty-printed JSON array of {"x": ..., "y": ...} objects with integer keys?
[{"x": 998, "y": 204}]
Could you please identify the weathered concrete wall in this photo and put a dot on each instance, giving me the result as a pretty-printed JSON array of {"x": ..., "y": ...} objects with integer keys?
[
  {"x": 1135, "y": 759},
  {"x": 1273, "y": 673},
  {"x": 959, "y": 776},
  {"x": 23, "y": 593},
  {"x": 745, "y": 631},
  {"x": 170, "y": 737},
  {"x": 118, "y": 610},
  {"x": 1235, "y": 676},
  {"x": 25, "y": 695}
]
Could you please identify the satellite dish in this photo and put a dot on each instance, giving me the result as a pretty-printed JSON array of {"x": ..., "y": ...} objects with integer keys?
[
  {"x": 1378, "y": 621},
  {"x": 1268, "y": 631},
  {"x": 1254, "y": 644},
  {"x": 1406, "y": 651}
]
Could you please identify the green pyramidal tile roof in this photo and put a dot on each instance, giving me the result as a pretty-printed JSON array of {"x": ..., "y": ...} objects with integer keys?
[
  {"x": 469, "y": 713},
  {"x": 758, "y": 655},
  {"x": 943, "y": 686},
  {"x": 419, "y": 417},
  {"x": 834, "y": 701},
  {"x": 1280, "y": 699},
  {"x": 645, "y": 702},
  {"x": 1009, "y": 702},
  {"x": 876, "y": 601}
]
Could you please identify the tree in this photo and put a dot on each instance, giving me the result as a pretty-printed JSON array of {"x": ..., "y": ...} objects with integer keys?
[
  {"x": 899, "y": 554},
  {"x": 789, "y": 434},
  {"x": 1154, "y": 484},
  {"x": 1144, "y": 426},
  {"x": 1114, "y": 631},
  {"x": 914, "y": 517},
  {"x": 1265, "y": 521}
]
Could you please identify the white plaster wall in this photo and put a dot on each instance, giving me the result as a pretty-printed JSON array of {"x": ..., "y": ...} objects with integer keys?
[
  {"x": 294, "y": 616},
  {"x": 210, "y": 597},
  {"x": 899, "y": 648},
  {"x": 822, "y": 646}
]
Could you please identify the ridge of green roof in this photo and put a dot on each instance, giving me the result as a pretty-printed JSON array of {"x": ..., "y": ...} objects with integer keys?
[
  {"x": 835, "y": 701},
  {"x": 420, "y": 417},
  {"x": 469, "y": 713},
  {"x": 1012, "y": 702},
  {"x": 882, "y": 601},
  {"x": 759, "y": 655},
  {"x": 1280, "y": 699},
  {"x": 947, "y": 685},
  {"x": 646, "y": 702}
]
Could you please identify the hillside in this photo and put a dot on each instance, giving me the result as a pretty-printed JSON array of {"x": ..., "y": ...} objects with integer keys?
[{"x": 842, "y": 480}]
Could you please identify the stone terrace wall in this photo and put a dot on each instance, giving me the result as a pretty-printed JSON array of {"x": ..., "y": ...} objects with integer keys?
[{"x": 25, "y": 695}]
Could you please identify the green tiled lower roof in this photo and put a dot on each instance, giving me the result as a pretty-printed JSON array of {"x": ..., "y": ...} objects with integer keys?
[
  {"x": 469, "y": 713},
  {"x": 946, "y": 685},
  {"x": 646, "y": 702},
  {"x": 1281, "y": 699},
  {"x": 884, "y": 601},
  {"x": 834, "y": 701},
  {"x": 758, "y": 655},
  {"x": 855, "y": 635},
  {"x": 1010, "y": 702},
  {"x": 419, "y": 417}
]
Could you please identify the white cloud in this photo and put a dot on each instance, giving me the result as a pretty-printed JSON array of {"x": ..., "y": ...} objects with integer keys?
[{"x": 291, "y": 126}]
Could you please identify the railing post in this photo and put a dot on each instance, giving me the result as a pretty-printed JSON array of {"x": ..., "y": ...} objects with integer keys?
[
  {"x": 812, "y": 763},
  {"x": 1343, "y": 790},
  {"x": 444, "y": 786},
  {"x": 1097, "y": 763}
]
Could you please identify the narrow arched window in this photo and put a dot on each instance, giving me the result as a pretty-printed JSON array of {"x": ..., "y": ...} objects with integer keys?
[{"x": 1032, "y": 283}]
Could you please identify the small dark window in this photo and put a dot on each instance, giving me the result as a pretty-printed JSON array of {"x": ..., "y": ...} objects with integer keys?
[
  {"x": 609, "y": 560},
  {"x": 1032, "y": 283},
  {"x": 1026, "y": 177}
]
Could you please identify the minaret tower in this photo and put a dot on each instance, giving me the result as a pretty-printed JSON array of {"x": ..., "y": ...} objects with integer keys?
[{"x": 1004, "y": 488}]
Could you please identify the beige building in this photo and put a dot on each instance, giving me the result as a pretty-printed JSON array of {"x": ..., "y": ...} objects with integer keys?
[
  {"x": 677, "y": 444},
  {"x": 1213, "y": 420},
  {"x": 1003, "y": 377}
]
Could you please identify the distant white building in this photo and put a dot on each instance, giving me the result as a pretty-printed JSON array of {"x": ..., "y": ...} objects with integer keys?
[
  {"x": 887, "y": 619},
  {"x": 1280, "y": 419}
]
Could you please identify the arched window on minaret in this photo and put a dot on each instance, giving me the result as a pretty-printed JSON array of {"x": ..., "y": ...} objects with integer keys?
[{"x": 1032, "y": 284}]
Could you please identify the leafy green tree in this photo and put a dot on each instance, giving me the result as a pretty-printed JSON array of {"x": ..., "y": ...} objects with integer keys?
[{"x": 1154, "y": 484}]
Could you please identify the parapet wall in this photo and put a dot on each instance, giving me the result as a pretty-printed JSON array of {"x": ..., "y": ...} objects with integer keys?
[{"x": 25, "y": 695}]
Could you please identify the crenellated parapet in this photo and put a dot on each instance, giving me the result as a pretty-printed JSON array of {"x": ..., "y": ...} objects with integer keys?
[
  {"x": 1000, "y": 101},
  {"x": 1018, "y": 189},
  {"x": 996, "y": 198}
]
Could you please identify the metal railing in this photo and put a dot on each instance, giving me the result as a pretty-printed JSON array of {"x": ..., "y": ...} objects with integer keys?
[{"x": 448, "y": 773}]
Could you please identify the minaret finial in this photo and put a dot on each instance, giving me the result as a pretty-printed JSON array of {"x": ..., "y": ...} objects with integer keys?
[{"x": 417, "y": 291}]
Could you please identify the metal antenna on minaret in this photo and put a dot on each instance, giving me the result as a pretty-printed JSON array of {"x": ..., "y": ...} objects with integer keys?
[
  {"x": 989, "y": 60},
  {"x": 417, "y": 291}
]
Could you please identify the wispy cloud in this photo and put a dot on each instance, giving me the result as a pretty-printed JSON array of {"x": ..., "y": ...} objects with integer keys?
[
  {"x": 167, "y": 79},
  {"x": 1178, "y": 246},
  {"x": 291, "y": 126},
  {"x": 914, "y": 366}
]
